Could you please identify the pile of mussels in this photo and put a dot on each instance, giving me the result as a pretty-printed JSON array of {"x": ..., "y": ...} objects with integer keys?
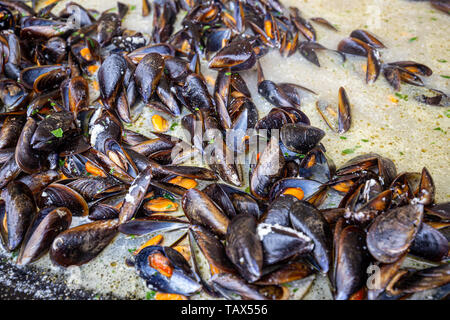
[{"x": 66, "y": 154}]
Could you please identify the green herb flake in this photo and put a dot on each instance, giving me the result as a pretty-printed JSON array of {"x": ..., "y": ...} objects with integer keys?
[
  {"x": 206, "y": 28},
  {"x": 150, "y": 295},
  {"x": 440, "y": 129},
  {"x": 172, "y": 127},
  {"x": 413, "y": 39},
  {"x": 401, "y": 153},
  {"x": 91, "y": 42},
  {"x": 301, "y": 156},
  {"x": 402, "y": 96},
  {"x": 364, "y": 140},
  {"x": 442, "y": 60},
  {"x": 445, "y": 77},
  {"x": 111, "y": 171},
  {"x": 61, "y": 162},
  {"x": 228, "y": 73},
  {"x": 131, "y": 250},
  {"x": 247, "y": 189},
  {"x": 57, "y": 133},
  {"x": 434, "y": 19},
  {"x": 133, "y": 8},
  {"x": 348, "y": 151},
  {"x": 168, "y": 196},
  {"x": 169, "y": 206},
  {"x": 447, "y": 113},
  {"x": 343, "y": 138}
]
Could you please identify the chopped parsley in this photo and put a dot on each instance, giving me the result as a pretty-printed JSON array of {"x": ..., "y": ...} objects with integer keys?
[
  {"x": 440, "y": 129},
  {"x": 413, "y": 39},
  {"x": 57, "y": 133},
  {"x": 133, "y": 8},
  {"x": 445, "y": 77},
  {"x": 402, "y": 96},
  {"x": 442, "y": 60},
  {"x": 150, "y": 295},
  {"x": 172, "y": 127},
  {"x": 111, "y": 171},
  {"x": 168, "y": 196},
  {"x": 364, "y": 140},
  {"x": 343, "y": 138},
  {"x": 348, "y": 151}
]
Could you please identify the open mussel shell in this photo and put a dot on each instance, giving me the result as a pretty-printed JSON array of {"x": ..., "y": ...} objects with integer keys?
[
  {"x": 10, "y": 131},
  {"x": 201, "y": 210},
  {"x": 152, "y": 224},
  {"x": 281, "y": 242},
  {"x": 420, "y": 280},
  {"x": 368, "y": 38},
  {"x": 196, "y": 94},
  {"x": 230, "y": 285},
  {"x": 53, "y": 131},
  {"x": 43, "y": 78},
  {"x": 299, "y": 137},
  {"x": 351, "y": 261},
  {"x": 268, "y": 170},
  {"x": 353, "y": 46},
  {"x": 26, "y": 158},
  {"x": 59, "y": 195},
  {"x": 135, "y": 195},
  {"x": 81, "y": 244},
  {"x": 91, "y": 188},
  {"x": 17, "y": 214},
  {"x": 288, "y": 272},
  {"x": 304, "y": 189},
  {"x": 392, "y": 232},
  {"x": 110, "y": 78},
  {"x": 426, "y": 190},
  {"x": 439, "y": 210},
  {"x": 164, "y": 49},
  {"x": 47, "y": 224},
  {"x": 166, "y": 270},
  {"x": 306, "y": 218},
  {"x": 244, "y": 248},
  {"x": 382, "y": 166},
  {"x": 238, "y": 56},
  {"x": 212, "y": 249},
  {"x": 13, "y": 95},
  {"x": 316, "y": 165},
  {"x": 38, "y": 181},
  {"x": 148, "y": 73},
  {"x": 430, "y": 244},
  {"x": 233, "y": 201},
  {"x": 9, "y": 170}
]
